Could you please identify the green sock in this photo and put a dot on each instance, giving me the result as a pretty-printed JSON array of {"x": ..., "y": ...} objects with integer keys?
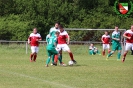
[
  {"x": 52, "y": 58},
  {"x": 119, "y": 55},
  {"x": 110, "y": 54},
  {"x": 98, "y": 52},
  {"x": 59, "y": 58},
  {"x": 91, "y": 52},
  {"x": 48, "y": 60}
]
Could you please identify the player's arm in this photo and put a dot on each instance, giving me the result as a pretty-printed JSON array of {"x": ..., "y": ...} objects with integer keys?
[
  {"x": 68, "y": 39},
  {"x": 125, "y": 35},
  {"x": 102, "y": 39},
  {"x": 113, "y": 37}
]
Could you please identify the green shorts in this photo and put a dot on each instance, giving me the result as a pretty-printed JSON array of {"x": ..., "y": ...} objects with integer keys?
[
  {"x": 116, "y": 47},
  {"x": 52, "y": 52}
]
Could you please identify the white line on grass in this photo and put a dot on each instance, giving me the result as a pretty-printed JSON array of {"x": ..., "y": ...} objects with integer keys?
[{"x": 31, "y": 77}]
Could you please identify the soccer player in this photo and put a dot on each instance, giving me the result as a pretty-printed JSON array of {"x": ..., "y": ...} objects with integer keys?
[
  {"x": 116, "y": 45},
  {"x": 51, "y": 48},
  {"x": 93, "y": 50},
  {"x": 62, "y": 44},
  {"x": 33, "y": 40},
  {"x": 129, "y": 41},
  {"x": 105, "y": 40}
]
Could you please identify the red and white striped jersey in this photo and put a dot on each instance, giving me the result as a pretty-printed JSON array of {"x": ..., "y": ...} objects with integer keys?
[
  {"x": 129, "y": 33},
  {"x": 106, "y": 39},
  {"x": 33, "y": 39},
  {"x": 62, "y": 37}
]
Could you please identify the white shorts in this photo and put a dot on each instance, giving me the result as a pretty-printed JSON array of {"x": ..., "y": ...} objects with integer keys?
[
  {"x": 129, "y": 46},
  {"x": 106, "y": 46},
  {"x": 64, "y": 47},
  {"x": 34, "y": 49}
]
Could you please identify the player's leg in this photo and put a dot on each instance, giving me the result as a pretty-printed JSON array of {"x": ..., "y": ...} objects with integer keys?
[
  {"x": 128, "y": 47},
  {"x": 108, "y": 47},
  {"x": 114, "y": 48},
  {"x": 66, "y": 48},
  {"x": 119, "y": 52},
  {"x": 32, "y": 53},
  {"x": 104, "y": 46},
  {"x": 35, "y": 54},
  {"x": 49, "y": 57}
]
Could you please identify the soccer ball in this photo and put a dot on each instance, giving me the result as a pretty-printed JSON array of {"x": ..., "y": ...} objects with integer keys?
[{"x": 70, "y": 63}]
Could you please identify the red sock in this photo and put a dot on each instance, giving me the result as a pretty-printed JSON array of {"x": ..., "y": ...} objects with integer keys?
[
  {"x": 35, "y": 57},
  {"x": 71, "y": 56},
  {"x": 124, "y": 55},
  {"x": 103, "y": 53},
  {"x": 31, "y": 56},
  {"x": 109, "y": 51},
  {"x": 55, "y": 58}
]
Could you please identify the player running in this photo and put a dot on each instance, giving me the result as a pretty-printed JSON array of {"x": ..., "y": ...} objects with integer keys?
[
  {"x": 51, "y": 48},
  {"x": 129, "y": 42},
  {"x": 33, "y": 40},
  {"x": 105, "y": 40},
  {"x": 62, "y": 44},
  {"x": 116, "y": 45}
]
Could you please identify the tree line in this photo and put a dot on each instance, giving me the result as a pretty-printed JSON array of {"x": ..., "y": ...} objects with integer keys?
[{"x": 18, "y": 17}]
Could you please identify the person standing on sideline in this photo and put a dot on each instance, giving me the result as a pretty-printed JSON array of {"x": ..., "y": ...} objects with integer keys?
[
  {"x": 33, "y": 40},
  {"x": 116, "y": 45},
  {"x": 129, "y": 42}
]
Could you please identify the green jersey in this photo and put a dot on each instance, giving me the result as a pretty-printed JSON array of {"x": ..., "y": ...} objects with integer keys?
[
  {"x": 116, "y": 35},
  {"x": 51, "y": 42}
]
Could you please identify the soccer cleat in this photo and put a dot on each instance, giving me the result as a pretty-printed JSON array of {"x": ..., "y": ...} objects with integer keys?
[
  {"x": 75, "y": 62},
  {"x": 62, "y": 64},
  {"x": 55, "y": 64},
  {"x": 46, "y": 65},
  {"x": 123, "y": 59},
  {"x": 31, "y": 60},
  {"x": 107, "y": 58},
  {"x": 51, "y": 64}
]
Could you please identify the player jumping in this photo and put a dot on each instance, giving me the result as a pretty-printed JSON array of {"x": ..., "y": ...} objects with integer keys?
[
  {"x": 33, "y": 40},
  {"x": 116, "y": 45},
  {"x": 105, "y": 40},
  {"x": 62, "y": 44},
  {"x": 129, "y": 42}
]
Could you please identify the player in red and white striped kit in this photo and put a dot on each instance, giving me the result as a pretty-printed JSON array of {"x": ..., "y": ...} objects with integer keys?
[
  {"x": 63, "y": 41},
  {"x": 33, "y": 40},
  {"x": 129, "y": 42},
  {"x": 105, "y": 40}
]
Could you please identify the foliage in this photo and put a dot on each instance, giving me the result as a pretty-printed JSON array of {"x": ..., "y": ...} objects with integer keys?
[{"x": 18, "y": 17}]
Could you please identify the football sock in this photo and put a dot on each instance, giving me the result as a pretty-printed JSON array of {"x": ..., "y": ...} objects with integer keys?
[
  {"x": 71, "y": 56},
  {"x": 91, "y": 52},
  {"x": 35, "y": 57},
  {"x": 56, "y": 58},
  {"x": 103, "y": 53},
  {"x": 124, "y": 55},
  {"x": 119, "y": 55},
  {"x": 59, "y": 58},
  {"x": 48, "y": 60},
  {"x": 110, "y": 54},
  {"x": 53, "y": 58},
  {"x": 31, "y": 56},
  {"x": 98, "y": 52}
]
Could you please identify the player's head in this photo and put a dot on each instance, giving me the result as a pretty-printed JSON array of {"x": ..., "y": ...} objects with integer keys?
[
  {"x": 132, "y": 27},
  {"x": 34, "y": 30},
  {"x": 106, "y": 33},
  {"x": 57, "y": 25},
  {"x": 61, "y": 27},
  {"x": 91, "y": 44},
  {"x": 116, "y": 28},
  {"x": 57, "y": 33}
]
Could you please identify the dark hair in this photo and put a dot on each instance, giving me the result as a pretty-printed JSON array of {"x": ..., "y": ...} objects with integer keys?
[
  {"x": 61, "y": 26},
  {"x": 57, "y": 32},
  {"x": 57, "y": 23}
]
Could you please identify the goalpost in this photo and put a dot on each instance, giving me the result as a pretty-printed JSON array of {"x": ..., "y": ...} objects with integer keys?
[{"x": 93, "y": 35}]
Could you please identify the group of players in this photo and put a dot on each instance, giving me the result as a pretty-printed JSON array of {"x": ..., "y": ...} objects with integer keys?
[
  {"x": 116, "y": 43},
  {"x": 56, "y": 42}
]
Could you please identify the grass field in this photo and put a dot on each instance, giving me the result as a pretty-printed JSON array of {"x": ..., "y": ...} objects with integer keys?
[{"x": 90, "y": 72}]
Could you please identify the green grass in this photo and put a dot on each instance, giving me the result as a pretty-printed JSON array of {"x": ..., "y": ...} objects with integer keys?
[{"x": 91, "y": 71}]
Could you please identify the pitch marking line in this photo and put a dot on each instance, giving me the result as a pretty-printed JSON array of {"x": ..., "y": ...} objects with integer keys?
[{"x": 31, "y": 77}]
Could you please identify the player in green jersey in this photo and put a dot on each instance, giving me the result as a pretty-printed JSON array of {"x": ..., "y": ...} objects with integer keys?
[
  {"x": 116, "y": 45},
  {"x": 51, "y": 48}
]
